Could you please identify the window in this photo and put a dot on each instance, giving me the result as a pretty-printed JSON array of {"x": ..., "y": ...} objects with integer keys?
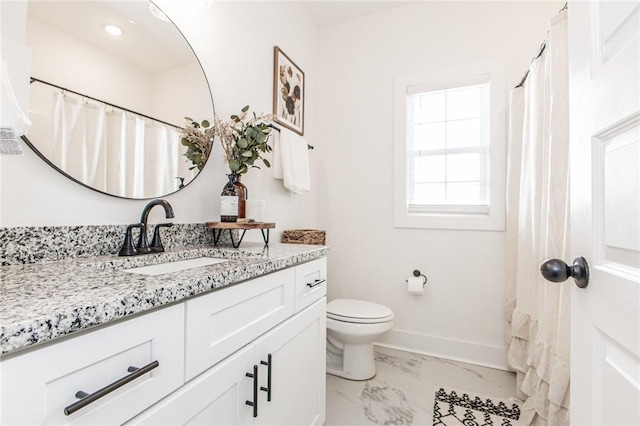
[
  {"x": 447, "y": 149},
  {"x": 450, "y": 151}
]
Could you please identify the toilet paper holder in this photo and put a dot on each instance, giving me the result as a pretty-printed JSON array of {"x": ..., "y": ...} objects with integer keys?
[{"x": 417, "y": 273}]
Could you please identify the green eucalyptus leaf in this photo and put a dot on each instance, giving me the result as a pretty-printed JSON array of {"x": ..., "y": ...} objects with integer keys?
[
  {"x": 242, "y": 143},
  {"x": 189, "y": 119},
  {"x": 266, "y": 162},
  {"x": 247, "y": 154},
  {"x": 235, "y": 117},
  {"x": 245, "y": 109},
  {"x": 234, "y": 165},
  {"x": 205, "y": 123}
]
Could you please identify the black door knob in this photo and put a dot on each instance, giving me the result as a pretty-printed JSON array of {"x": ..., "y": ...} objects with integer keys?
[{"x": 557, "y": 271}]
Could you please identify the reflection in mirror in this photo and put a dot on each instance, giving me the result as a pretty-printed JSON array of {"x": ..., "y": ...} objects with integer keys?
[{"x": 107, "y": 109}]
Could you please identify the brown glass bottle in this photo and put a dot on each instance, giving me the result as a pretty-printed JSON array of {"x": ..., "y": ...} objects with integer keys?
[
  {"x": 229, "y": 201},
  {"x": 243, "y": 193}
]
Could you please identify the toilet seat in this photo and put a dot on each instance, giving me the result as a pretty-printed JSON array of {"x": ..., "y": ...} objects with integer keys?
[{"x": 358, "y": 311}]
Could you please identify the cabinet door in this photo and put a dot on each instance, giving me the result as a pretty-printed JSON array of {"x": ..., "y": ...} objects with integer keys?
[
  {"x": 297, "y": 349},
  {"x": 39, "y": 384},
  {"x": 217, "y": 397},
  {"x": 221, "y": 322}
]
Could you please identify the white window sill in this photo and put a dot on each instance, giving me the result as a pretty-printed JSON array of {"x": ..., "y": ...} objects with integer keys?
[{"x": 461, "y": 221}]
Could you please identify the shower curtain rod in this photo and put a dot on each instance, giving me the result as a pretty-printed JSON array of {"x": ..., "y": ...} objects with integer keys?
[
  {"x": 540, "y": 52},
  {"x": 64, "y": 89}
]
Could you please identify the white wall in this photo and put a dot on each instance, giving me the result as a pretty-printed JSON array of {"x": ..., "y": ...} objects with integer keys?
[
  {"x": 461, "y": 314},
  {"x": 31, "y": 193}
]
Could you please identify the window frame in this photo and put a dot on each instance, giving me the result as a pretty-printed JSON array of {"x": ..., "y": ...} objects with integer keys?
[{"x": 453, "y": 216}]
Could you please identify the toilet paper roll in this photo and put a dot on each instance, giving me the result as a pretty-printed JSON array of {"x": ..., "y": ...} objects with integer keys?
[{"x": 415, "y": 285}]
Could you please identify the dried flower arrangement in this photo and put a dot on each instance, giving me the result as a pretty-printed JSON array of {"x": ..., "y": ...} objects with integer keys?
[
  {"x": 244, "y": 141},
  {"x": 198, "y": 138}
]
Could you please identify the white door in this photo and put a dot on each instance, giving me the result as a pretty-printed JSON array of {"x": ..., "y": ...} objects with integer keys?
[{"x": 605, "y": 197}]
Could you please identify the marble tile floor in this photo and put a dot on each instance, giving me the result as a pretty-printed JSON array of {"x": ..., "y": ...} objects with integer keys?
[{"x": 402, "y": 391}]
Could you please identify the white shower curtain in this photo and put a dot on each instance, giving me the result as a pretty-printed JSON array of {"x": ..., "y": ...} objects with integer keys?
[
  {"x": 116, "y": 152},
  {"x": 537, "y": 229},
  {"x": 79, "y": 135}
]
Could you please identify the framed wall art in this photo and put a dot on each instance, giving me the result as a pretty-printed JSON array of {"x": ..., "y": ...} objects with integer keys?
[{"x": 288, "y": 92}]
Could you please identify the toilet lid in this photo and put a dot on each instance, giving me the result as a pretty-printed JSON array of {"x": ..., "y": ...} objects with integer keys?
[{"x": 350, "y": 310}]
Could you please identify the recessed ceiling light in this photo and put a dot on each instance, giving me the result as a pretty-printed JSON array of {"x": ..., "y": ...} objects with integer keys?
[
  {"x": 155, "y": 11},
  {"x": 113, "y": 30}
]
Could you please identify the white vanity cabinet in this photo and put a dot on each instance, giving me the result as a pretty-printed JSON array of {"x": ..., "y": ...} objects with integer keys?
[
  {"x": 252, "y": 328},
  {"x": 37, "y": 386},
  {"x": 266, "y": 334},
  {"x": 289, "y": 391}
]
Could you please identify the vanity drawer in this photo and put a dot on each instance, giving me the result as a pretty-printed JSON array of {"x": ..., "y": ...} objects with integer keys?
[
  {"x": 221, "y": 322},
  {"x": 38, "y": 385},
  {"x": 311, "y": 282}
]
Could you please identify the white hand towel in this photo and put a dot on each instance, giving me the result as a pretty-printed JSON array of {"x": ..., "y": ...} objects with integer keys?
[
  {"x": 277, "y": 161},
  {"x": 294, "y": 156}
]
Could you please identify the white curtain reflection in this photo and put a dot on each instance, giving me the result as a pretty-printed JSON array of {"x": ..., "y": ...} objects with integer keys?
[
  {"x": 79, "y": 139},
  {"x": 115, "y": 151}
]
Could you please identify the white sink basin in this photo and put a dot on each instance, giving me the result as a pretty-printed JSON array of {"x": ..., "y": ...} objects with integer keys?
[{"x": 179, "y": 265}]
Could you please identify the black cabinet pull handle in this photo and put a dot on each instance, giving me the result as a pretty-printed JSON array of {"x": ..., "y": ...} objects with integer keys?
[
  {"x": 268, "y": 388},
  {"x": 316, "y": 282},
  {"x": 254, "y": 403},
  {"x": 87, "y": 399}
]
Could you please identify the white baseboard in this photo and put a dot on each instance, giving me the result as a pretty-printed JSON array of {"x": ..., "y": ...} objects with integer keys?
[{"x": 455, "y": 350}]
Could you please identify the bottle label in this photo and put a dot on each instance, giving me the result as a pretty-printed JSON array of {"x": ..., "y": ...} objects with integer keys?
[{"x": 228, "y": 205}]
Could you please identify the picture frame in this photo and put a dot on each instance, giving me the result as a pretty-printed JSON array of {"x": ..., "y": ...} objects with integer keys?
[{"x": 288, "y": 92}]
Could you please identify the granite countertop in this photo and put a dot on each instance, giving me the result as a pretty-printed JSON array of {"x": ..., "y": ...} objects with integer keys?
[{"x": 44, "y": 301}]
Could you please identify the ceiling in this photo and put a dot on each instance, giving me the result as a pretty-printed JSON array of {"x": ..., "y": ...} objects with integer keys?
[
  {"x": 85, "y": 20},
  {"x": 148, "y": 43},
  {"x": 330, "y": 12}
]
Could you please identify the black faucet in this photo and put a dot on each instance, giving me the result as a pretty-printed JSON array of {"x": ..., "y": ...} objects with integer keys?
[
  {"x": 143, "y": 247},
  {"x": 143, "y": 242}
]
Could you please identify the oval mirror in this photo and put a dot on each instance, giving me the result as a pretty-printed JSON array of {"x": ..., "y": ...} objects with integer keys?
[{"x": 111, "y": 85}]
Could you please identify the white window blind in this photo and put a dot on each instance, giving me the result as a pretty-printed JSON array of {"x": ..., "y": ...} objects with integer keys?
[{"x": 448, "y": 143}]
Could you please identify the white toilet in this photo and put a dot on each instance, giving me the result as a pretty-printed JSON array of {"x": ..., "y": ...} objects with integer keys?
[{"x": 352, "y": 326}]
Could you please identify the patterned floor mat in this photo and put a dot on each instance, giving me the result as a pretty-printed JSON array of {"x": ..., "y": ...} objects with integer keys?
[{"x": 454, "y": 407}]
